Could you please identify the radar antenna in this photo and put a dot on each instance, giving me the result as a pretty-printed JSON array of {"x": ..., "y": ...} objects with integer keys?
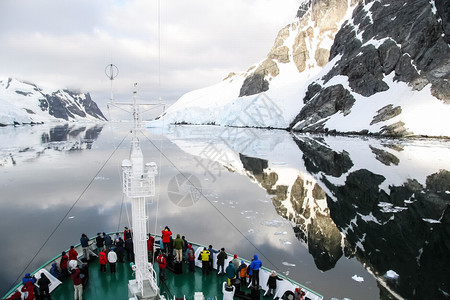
[{"x": 111, "y": 71}]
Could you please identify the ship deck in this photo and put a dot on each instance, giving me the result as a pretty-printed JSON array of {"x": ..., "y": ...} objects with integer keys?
[{"x": 115, "y": 286}]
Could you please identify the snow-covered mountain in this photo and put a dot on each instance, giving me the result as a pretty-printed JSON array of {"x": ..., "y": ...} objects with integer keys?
[
  {"x": 27, "y": 103},
  {"x": 369, "y": 67}
]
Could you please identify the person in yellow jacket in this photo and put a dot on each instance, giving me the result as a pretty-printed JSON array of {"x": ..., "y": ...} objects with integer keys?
[{"x": 204, "y": 256}]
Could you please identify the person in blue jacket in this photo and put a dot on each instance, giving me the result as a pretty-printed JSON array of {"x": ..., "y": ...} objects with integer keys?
[
  {"x": 55, "y": 271},
  {"x": 231, "y": 272},
  {"x": 254, "y": 269}
]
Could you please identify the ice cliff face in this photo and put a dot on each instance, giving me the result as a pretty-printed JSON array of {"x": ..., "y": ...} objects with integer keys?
[
  {"x": 26, "y": 103},
  {"x": 368, "y": 67}
]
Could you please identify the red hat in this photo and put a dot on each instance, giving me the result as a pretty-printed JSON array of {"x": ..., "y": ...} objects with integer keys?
[{"x": 235, "y": 256}]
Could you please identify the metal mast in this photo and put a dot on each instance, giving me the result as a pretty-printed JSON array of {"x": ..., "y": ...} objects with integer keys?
[{"x": 138, "y": 185}]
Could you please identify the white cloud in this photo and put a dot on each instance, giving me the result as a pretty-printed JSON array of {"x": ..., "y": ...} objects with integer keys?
[{"x": 69, "y": 43}]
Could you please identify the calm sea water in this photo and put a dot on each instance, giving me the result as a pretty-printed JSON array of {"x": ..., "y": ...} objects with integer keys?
[{"x": 334, "y": 213}]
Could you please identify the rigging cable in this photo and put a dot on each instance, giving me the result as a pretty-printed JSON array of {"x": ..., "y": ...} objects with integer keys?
[
  {"x": 120, "y": 215},
  {"x": 210, "y": 202},
  {"x": 162, "y": 127},
  {"x": 67, "y": 213}
]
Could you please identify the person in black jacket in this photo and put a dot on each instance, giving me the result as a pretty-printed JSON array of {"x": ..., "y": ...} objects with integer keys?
[
  {"x": 272, "y": 283},
  {"x": 221, "y": 257},
  {"x": 129, "y": 249},
  {"x": 44, "y": 283},
  {"x": 100, "y": 242}
]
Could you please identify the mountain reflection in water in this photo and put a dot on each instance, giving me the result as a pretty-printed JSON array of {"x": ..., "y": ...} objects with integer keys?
[
  {"x": 385, "y": 202},
  {"x": 26, "y": 143}
]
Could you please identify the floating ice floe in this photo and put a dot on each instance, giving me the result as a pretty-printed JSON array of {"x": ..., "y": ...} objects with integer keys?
[
  {"x": 274, "y": 223},
  {"x": 280, "y": 233},
  {"x": 288, "y": 264},
  {"x": 101, "y": 178},
  {"x": 357, "y": 278},
  {"x": 71, "y": 217},
  {"x": 391, "y": 274},
  {"x": 251, "y": 230},
  {"x": 431, "y": 221},
  {"x": 285, "y": 242}
]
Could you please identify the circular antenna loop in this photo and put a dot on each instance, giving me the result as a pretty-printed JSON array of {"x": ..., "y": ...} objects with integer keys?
[{"x": 111, "y": 71}]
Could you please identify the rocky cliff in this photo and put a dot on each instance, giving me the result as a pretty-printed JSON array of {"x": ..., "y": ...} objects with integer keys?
[
  {"x": 27, "y": 103},
  {"x": 347, "y": 66},
  {"x": 407, "y": 40}
]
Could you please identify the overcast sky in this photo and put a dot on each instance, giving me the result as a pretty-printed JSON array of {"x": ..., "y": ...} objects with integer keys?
[{"x": 68, "y": 43}]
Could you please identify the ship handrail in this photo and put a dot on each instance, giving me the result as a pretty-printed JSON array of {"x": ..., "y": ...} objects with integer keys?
[
  {"x": 264, "y": 268},
  {"x": 49, "y": 262}
]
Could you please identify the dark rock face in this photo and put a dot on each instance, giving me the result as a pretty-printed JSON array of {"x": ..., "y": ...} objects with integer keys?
[
  {"x": 254, "y": 84},
  {"x": 321, "y": 104},
  {"x": 60, "y": 107},
  {"x": 405, "y": 228},
  {"x": 415, "y": 45}
]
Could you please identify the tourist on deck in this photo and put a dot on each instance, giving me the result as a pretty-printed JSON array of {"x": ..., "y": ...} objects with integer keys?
[
  {"x": 221, "y": 257},
  {"x": 63, "y": 265},
  {"x": 129, "y": 249},
  {"x": 73, "y": 254},
  {"x": 178, "y": 244},
  {"x": 127, "y": 234},
  {"x": 28, "y": 289},
  {"x": 119, "y": 249},
  {"x": 231, "y": 272},
  {"x": 84, "y": 240},
  {"x": 298, "y": 294},
  {"x": 116, "y": 237},
  {"x": 150, "y": 246},
  {"x": 108, "y": 242},
  {"x": 162, "y": 263},
  {"x": 73, "y": 258},
  {"x": 242, "y": 273},
  {"x": 254, "y": 269},
  {"x": 191, "y": 258},
  {"x": 112, "y": 259},
  {"x": 211, "y": 257},
  {"x": 77, "y": 284},
  {"x": 54, "y": 270},
  {"x": 100, "y": 242},
  {"x": 44, "y": 284},
  {"x": 166, "y": 233},
  {"x": 185, "y": 247},
  {"x": 272, "y": 283},
  {"x": 27, "y": 278},
  {"x": 235, "y": 262},
  {"x": 204, "y": 255},
  {"x": 103, "y": 260}
]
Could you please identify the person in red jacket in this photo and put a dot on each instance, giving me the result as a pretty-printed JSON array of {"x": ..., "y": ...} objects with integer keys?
[
  {"x": 127, "y": 234},
  {"x": 77, "y": 284},
  {"x": 150, "y": 244},
  {"x": 162, "y": 263},
  {"x": 29, "y": 288},
  {"x": 191, "y": 258},
  {"x": 166, "y": 233},
  {"x": 63, "y": 265},
  {"x": 73, "y": 254},
  {"x": 103, "y": 260}
]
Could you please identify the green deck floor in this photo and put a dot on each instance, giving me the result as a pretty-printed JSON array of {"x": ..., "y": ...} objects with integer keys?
[{"x": 115, "y": 286}]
